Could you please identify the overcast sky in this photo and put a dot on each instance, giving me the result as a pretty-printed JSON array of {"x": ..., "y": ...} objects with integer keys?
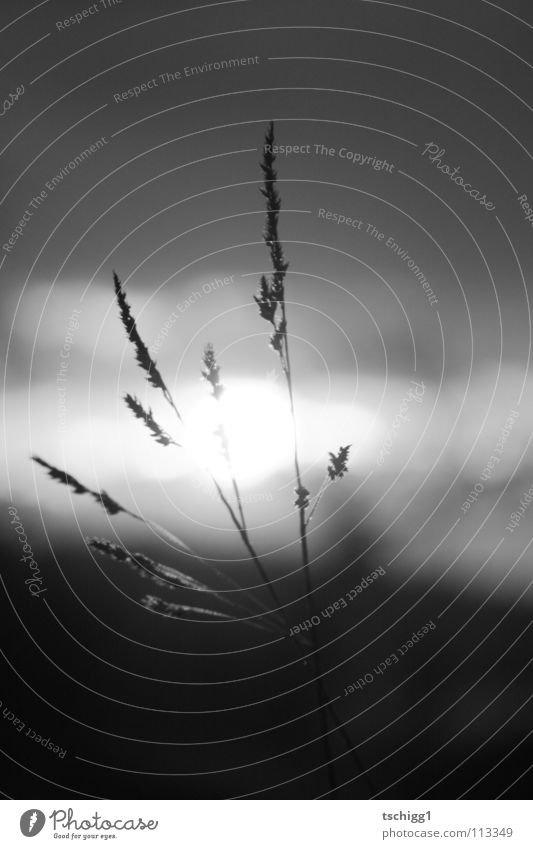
[{"x": 170, "y": 200}]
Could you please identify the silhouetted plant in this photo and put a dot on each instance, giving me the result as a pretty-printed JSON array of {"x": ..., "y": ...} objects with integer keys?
[{"x": 272, "y": 308}]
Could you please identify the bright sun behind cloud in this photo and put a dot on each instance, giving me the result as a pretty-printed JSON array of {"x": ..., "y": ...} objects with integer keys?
[
  {"x": 117, "y": 448},
  {"x": 256, "y": 420}
]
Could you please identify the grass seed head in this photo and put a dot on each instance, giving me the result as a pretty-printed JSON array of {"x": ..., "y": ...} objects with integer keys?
[
  {"x": 179, "y": 611},
  {"x": 109, "y": 504},
  {"x": 338, "y": 467},
  {"x": 211, "y": 372},
  {"x": 146, "y": 416}
]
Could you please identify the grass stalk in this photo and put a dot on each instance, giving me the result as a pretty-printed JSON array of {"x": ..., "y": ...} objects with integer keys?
[
  {"x": 272, "y": 307},
  {"x": 272, "y": 296}
]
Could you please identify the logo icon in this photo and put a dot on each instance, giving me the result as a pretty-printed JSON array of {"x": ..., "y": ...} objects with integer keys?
[{"x": 32, "y": 822}]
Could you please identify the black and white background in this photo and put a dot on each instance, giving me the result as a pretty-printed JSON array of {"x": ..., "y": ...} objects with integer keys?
[{"x": 142, "y": 705}]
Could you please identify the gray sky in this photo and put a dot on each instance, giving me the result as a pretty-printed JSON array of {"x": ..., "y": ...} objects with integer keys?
[{"x": 171, "y": 202}]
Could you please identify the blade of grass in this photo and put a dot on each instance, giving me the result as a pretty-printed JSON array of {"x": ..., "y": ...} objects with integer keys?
[
  {"x": 271, "y": 296},
  {"x": 211, "y": 373},
  {"x": 113, "y": 507},
  {"x": 163, "y": 575},
  {"x": 146, "y": 416},
  {"x": 180, "y": 611},
  {"x": 155, "y": 378},
  {"x": 141, "y": 351}
]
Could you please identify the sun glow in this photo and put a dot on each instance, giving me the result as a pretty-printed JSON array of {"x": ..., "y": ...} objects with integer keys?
[
  {"x": 258, "y": 426},
  {"x": 256, "y": 418}
]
